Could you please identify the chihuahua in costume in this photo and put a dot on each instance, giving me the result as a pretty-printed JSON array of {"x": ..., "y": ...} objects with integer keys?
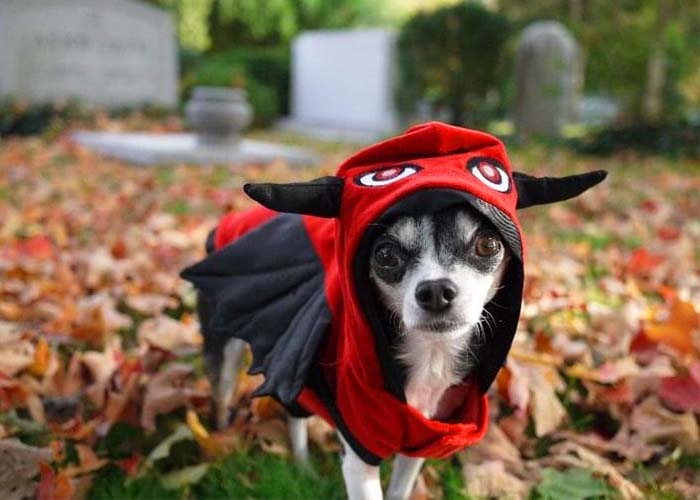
[{"x": 384, "y": 298}]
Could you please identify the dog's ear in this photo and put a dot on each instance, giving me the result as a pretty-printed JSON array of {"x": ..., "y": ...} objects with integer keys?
[
  {"x": 319, "y": 197},
  {"x": 541, "y": 190}
]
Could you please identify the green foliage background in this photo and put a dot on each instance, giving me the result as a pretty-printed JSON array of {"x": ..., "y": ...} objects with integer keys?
[{"x": 450, "y": 58}]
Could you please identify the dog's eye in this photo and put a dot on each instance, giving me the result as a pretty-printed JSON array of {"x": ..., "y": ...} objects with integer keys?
[
  {"x": 388, "y": 256},
  {"x": 487, "y": 245}
]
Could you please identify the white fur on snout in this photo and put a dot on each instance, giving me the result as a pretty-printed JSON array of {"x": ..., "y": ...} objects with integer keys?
[{"x": 434, "y": 359}]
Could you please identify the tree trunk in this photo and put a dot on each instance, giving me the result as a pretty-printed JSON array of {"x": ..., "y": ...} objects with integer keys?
[
  {"x": 652, "y": 101},
  {"x": 575, "y": 11}
]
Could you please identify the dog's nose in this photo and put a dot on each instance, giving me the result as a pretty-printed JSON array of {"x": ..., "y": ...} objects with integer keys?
[{"x": 436, "y": 295}]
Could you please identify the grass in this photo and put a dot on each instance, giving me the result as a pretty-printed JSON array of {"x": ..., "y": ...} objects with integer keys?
[
  {"x": 254, "y": 474},
  {"x": 246, "y": 474}
]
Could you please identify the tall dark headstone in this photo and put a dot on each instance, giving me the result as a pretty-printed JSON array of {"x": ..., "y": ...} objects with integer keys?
[{"x": 547, "y": 75}]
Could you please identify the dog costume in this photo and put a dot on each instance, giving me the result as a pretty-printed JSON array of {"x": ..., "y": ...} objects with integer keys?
[{"x": 292, "y": 279}]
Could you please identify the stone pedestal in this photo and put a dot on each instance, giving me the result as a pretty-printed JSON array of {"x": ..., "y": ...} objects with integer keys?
[
  {"x": 168, "y": 149},
  {"x": 218, "y": 114}
]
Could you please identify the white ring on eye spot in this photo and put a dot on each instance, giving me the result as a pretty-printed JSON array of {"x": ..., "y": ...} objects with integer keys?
[
  {"x": 371, "y": 180},
  {"x": 502, "y": 186}
]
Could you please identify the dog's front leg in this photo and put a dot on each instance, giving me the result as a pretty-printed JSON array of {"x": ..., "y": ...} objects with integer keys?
[
  {"x": 233, "y": 359},
  {"x": 403, "y": 477},
  {"x": 361, "y": 480},
  {"x": 299, "y": 436}
]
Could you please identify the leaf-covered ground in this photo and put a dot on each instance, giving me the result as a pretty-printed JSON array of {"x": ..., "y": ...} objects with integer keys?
[{"x": 101, "y": 381}]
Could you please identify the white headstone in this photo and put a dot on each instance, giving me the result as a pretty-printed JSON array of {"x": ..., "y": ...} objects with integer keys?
[
  {"x": 343, "y": 83},
  {"x": 546, "y": 75},
  {"x": 114, "y": 53}
]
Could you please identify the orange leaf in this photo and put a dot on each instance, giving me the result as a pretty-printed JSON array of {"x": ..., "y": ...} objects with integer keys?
[
  {"x": 642, "y": 262},
  {"x": 53, "y": 486},
  {"x": 265, "y": 407},
  {"x": 543, "y": 343},
  {"x": 679, "y": 330},
  {"x": 217, "y": 444},
  {"x": 503, "y": 382},
  {"x": 42, "y": 355}
]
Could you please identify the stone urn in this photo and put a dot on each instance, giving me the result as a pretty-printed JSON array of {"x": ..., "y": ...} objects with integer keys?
[{"x": 218, "y": 114}]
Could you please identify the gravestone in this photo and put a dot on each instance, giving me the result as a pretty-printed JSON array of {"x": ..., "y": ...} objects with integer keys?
[
  {"x": 114, "y": 53},
  {"x": 343, "y": 83},
  {"x": 547, "y": 75}
]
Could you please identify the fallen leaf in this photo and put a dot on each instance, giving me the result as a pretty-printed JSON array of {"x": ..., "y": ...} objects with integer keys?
[
  {"x": 181, "y": 433},
  {"x": 165, "y": 392},
  {"x": 19, "y": 465},
  {"x": 541, "y": 380},
  {"x": 186, "y": 476},
  {"x": 642, "y": 262},
  {"x": 98, "y": 318},
  {"x": 88, "y": 462},
  {"x": 573, "y": 455},
  {"x": 572, "y": 484},
  {"x": 54, "y": 485},
  {"x": 496, "y": 446},
  {"x": 322, "y": 434},
  {"x": 168, "y": 334},
  {"x": 151, "y": 304},
  {"x": 101, "y": 365},
  {"x": 653, "y": 423},
  {"x": 16, "y": 353},
  {"x": 680, "y": 329},
  {"x": 491, "y": 480},
  {"x": 682, "y": 393},
  {"x": 266, "y": 407},
  {"x": 272, "y": 435}
]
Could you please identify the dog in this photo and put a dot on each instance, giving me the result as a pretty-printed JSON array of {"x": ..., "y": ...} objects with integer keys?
[{"x": 383, "y": 299}]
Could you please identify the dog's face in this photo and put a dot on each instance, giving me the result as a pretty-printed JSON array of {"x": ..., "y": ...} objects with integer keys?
[{"x": 436, "y": 272}]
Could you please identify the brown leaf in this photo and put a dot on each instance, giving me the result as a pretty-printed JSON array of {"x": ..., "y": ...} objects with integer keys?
[
  {"x": 537, "y": 383},
  {"x": 496, "y": 446},
  {"x": 168, "y": 334},
  {"x": 16, "y": 353},
  {"x": 491, "y": 480},
  {"x": 166, "y": 391},
  {"x": 151, "y": 304},
  {"x": 19, "y": 465},
  {"x": 272, "y": 436},
  {"x": 98, "y": 318},
  {"x": 323, "y": 435},
  {"x": 101, "y": 366},
  {"x": 653, "y": 423}
]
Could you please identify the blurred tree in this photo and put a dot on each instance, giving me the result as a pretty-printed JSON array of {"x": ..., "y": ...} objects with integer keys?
[
  {"x": 192, "y": 21},
  {"x": 449, "y": 59},
  {"x": 222, "y": 24}
]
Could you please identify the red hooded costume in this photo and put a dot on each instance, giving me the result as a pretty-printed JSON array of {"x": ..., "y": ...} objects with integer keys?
[{"x": 292, "y": 280}]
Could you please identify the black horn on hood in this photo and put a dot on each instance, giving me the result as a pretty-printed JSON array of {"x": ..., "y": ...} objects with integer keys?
[
  {"x": 319, "y": 197},
  {"x": 543, "y": 190}
]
